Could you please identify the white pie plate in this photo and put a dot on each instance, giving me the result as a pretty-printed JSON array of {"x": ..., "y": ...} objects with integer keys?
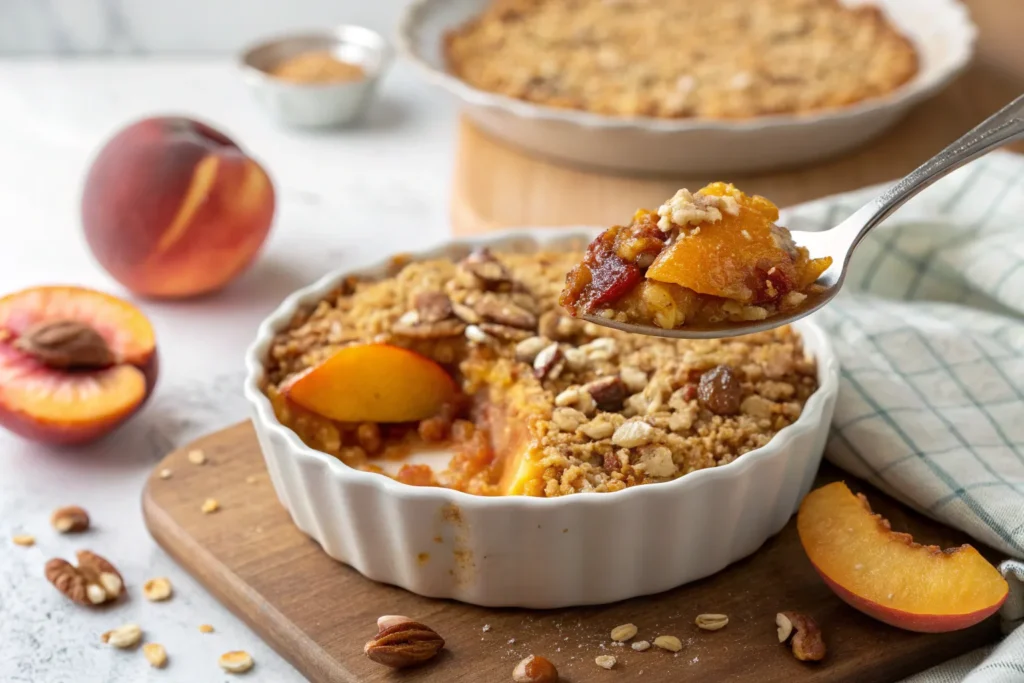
[
  {"x": 941, "y": 30},
  {"x": 538, "y": 552}
]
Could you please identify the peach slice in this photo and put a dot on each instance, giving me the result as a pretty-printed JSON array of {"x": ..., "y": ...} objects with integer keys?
[
  {"x": 173, "y": 208},
  {"x": 373, "y": 383},
  {"x": 74, "y": 363},
  {"x": 888, "y": 576},
  {"x": 734, "y": 257}
]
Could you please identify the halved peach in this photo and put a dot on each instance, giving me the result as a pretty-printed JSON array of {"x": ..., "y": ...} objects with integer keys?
[
  {"x": 373, "y": 383},
  {"x": 74, "y": 363},
  {"x": 888, "y": 576}
]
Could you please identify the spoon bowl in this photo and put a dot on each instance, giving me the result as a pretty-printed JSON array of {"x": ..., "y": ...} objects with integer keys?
[{"x": 839, "y": 242}]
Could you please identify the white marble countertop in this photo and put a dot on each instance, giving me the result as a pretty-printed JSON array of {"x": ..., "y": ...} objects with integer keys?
[{"x": 389, "y": 176}]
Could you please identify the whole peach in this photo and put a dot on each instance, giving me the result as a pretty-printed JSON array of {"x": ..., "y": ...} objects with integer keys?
[{"x": 173, "y": 208}]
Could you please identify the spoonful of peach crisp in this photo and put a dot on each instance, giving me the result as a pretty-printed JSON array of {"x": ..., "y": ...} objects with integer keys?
[{"x": 715, "y": 263}]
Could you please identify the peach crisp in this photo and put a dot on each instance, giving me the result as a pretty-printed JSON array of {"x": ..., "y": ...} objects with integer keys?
[
  {"x": 711, "y": 256},
  {"x": 476, "y": 354}
]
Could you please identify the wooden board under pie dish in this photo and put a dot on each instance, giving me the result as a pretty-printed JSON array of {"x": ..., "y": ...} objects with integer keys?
[{"x": 318, "y": 612}]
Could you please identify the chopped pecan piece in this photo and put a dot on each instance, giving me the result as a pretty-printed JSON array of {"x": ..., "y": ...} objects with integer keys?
[
  {"x": 432, "y": 306},
  {"x": 607, "y": 392}
]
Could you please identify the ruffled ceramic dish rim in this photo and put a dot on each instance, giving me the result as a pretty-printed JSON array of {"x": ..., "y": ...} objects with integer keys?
[
  {"x": 928, "y": 80},
  {"x": 514, "y": 240}
]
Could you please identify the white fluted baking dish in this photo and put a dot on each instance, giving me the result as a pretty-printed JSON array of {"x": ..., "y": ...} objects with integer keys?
[
  {"x": 941, "y": 30},
  {"x": 538, "y": 552}
]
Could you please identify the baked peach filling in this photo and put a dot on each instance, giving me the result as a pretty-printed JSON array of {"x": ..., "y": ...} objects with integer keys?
[
  {"x": 474, "y": 356},
  {"x": 710, "y": 256}
]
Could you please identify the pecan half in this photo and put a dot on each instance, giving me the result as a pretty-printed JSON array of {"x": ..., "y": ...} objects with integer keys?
[
  {"x": 402, "y": 642},
  {"x": 465, "y": 313},
  {"x": 535, "y": 669},
  {"x": 489, "y": 270},
  {"x": 432, "y": 306},
  {"x": 93, "y": 582},
  {"x": 66, "y": 345},
  {"x": 70, "y": 519},
  {"x": 803, "y": 635},
  {"x": 504, "y": 312}
]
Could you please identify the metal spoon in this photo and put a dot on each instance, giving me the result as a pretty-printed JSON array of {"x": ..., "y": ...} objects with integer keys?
[{"x": 1004, "y": 126}]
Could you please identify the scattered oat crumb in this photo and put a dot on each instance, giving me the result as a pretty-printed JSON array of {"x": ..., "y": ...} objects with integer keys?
[
  {"x": 235, "y": 662},
  {"x": 623, "y": 632},
  {"x": 205, "y": 628},
  {"x": 210, "y": 505},
  {"x": 155, "y": 654},
  {"x": 197, "y": 457},
  {"x": 25, "y": 540},
  {"x": 123, "y": 637},
  {"x": 251, "y": 479},
  {"x": 157, "y": 589},
  {"x": 486, "y": 628},
  {"x": 641, "y": 645},
  {"x": 605, "y": 661},
  {"x": 511, "y": 641},
  {"x": 165, "y": 473},
  {"x": 670, "y": 643},
  {"x": 694, "y": 660}
]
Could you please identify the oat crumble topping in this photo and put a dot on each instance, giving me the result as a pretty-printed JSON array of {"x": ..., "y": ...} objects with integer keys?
[
  {"x": 717, "y": 59},
  {"x": 599, "y": 410}
]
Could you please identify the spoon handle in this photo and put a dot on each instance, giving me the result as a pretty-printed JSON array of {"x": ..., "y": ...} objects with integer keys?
[{"x": 1004, "y": 126}]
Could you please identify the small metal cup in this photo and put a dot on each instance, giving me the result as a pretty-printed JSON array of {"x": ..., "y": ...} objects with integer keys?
[{"x": 317, "y": 105}]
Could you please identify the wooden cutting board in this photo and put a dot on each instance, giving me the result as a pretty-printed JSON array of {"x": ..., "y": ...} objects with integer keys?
[
  {"x": 495, "y": 186},
  {"x": 318, "y": 613}
]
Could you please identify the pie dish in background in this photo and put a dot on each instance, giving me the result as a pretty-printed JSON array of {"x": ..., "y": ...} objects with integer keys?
[
  {"x": 940, "y": 30},
  {"x": 527, "y": 551}
]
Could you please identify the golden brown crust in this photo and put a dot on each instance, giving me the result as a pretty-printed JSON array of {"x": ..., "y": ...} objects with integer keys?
[
  {"x": 603, "y": 410},
  {"x": 719, "y": 59}
]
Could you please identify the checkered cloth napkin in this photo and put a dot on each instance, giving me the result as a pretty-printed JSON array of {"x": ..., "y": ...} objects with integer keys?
[{"x": 929, "y": 330}]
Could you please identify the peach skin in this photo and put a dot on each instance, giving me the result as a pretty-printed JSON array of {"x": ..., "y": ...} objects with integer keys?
[
  {"x": 74, "y": 363},
  {"x": 173, "y": 208},
  {"x": 373, "y": 383},
  {"x": 888, "y": 576}
]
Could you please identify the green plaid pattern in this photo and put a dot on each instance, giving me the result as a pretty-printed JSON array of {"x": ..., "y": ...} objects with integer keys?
[{"x": 929, "y": 330}]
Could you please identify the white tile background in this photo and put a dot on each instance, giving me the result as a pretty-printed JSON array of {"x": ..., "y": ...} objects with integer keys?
[{"x": 142, "y": 27}]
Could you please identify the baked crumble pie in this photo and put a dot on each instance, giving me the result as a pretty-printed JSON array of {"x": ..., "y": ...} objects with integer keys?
[
  {"x": 717, "y": 59},
  {"x": 711, "y": 256},
  {"x": 546, "y": 405}
]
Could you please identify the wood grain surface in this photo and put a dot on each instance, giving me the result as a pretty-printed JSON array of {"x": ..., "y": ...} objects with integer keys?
[
  {"x": 496, "y": 187},
  {"x": 318, "y": 613}
]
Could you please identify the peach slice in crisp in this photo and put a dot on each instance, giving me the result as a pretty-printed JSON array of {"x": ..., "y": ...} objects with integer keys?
[
  {"x": 74, "y": 363},
  {"x": 888, "y": 576},
  {"x": 373, "y": 383}
]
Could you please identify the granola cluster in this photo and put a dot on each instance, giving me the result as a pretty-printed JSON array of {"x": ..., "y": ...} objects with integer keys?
[
  {"x": 599, "y": 410},
  {"x": 683, "y": 58}
]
